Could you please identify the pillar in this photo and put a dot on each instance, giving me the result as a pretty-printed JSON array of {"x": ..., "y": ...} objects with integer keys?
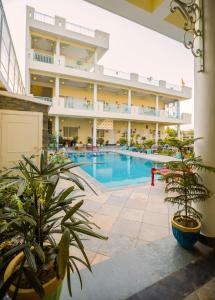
[
  {"x": 204, "y": 112},
  {"x": 94, "y": 132},
  {"x": 129, "y": 100},
  {"x": 156, "y": 104},
  {"x": 156, "y": 134},
  {"x": 95, "y": 59},
  {"x": 129, "y": 133},
  {"x": 95, "y": 92},
  {"x": 57, "y": 87},
  {"x": 57, "y": 131},
  {"x": 57, "y": 48}
]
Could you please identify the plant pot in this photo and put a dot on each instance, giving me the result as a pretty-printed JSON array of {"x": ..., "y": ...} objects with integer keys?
[
  {"x": 186, "y": 236},
  {"x": 52, "y": 288}
]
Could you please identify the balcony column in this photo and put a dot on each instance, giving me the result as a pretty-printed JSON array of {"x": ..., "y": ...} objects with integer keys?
[
  {"x": 94, "y": 132},
  {"x": 156, "y": 134},
  {"x": 129, "y": 133},
  {"x": 179, "y": 131},
  {"x": 204, "y": 123},
  {"x": 57, "y": 48},
  {"x": 95, "y": 91},
  {"x": 156, "y": 104},
  {"x": 95, "y": 59},
  {"x": 57, "y": 131},
  {"x": 129, "y": 100},
  {"x": 57, "y": 87}
]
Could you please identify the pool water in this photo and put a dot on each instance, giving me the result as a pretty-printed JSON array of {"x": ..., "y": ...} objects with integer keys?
[{"x": 114, "y": 169}]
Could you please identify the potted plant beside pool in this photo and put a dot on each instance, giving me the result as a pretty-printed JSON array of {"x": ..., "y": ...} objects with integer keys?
[
  {"x": 185, "y": 188},
  {"x": 47, "y": 223}
]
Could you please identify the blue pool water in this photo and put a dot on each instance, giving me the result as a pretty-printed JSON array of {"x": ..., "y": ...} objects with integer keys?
[{"x": 113, "y": 169}]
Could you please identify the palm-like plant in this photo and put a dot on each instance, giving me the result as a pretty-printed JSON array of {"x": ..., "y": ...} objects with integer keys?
[
  {"x": 39, "y": 216},
  {"x": 185, "y": 183}
]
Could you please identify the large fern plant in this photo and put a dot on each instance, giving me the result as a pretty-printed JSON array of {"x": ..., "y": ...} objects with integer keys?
[
  {"x": 184, "y": 184},
  {"x": 46, "y": 222}
]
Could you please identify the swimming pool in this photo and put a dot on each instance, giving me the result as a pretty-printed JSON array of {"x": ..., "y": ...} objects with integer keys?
[{"x": 114, "y": 169}]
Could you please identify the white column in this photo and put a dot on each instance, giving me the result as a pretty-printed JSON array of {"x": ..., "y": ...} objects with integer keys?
[
  {"x": 178, "y": 131},
  {"x": 156, "y": 103},
  {"x": 57, "y": 87},
  {"x": 57, "y": 47},
  {"x": 129, "y": 133},
  {"x": 95, "y": 58},
  {"x": 94, "y": 132},
  {"x": 204, "y": 112},
  {"x": 156, "y": 134},
  {"x": 57, "y": 130},
  {"x": 95, "y": 91},
  {"x": 129, "y": 100}
]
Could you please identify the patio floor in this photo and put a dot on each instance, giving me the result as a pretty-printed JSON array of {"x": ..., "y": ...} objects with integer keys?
[{"x": 130, "y": 217}]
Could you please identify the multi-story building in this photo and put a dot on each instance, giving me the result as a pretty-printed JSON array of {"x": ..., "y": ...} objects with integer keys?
[
  {"x": 89, "y": 100},
  {"x": 10, "y": 77}
]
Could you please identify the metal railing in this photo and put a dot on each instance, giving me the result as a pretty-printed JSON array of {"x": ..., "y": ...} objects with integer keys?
[
  {"x": 116, "y": 73},
  {"x": 78, "y": 65},
  {"x": 118, "y": 108},
  {"x": 48, "y": 99},
  {"x": 80, "y": 29},
  {"x": 75, "y": 103},
  {"x": 148, "y": 80},
  {"x": 45, "y": 58},
  {"x": 68, "y": 25},
  {"x": 174, "y": 87},
  {"x": 44, "y": 18}
]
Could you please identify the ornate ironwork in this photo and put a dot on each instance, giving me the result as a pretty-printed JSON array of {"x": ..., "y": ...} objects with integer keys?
[{"x": 192, "y": 12}]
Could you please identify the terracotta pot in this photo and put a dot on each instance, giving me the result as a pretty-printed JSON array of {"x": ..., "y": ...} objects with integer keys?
[{"x": 52, "y": 288}]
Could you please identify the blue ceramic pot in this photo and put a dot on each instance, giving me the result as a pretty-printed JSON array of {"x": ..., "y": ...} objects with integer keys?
[{"x": 186, "y": 236}]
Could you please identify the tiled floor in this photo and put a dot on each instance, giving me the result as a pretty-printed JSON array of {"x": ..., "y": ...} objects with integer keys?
[{"x": 129, "y": 217}]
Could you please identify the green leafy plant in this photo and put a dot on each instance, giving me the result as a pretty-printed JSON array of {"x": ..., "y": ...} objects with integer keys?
[
  {"x": 89, "y": 140},
  {"x": 184, "y": 183},
  {"x": 46, "y": 221},
  {"x": 148, "y": 143},
  {"x": 100, "y": 141},
  {"x": 123, "y": 141}
]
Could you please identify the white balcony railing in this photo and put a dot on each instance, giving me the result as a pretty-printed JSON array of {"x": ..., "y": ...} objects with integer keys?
[
  {"x": 44, "y": 58},
  {"x": 38, "y": 16},
  {"x": 62, "y": 103},
  {"x": 115, "y": 73},
  {"x": 148, "y": 80}
]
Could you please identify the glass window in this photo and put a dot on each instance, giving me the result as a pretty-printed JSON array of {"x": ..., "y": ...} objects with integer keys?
[{"x": 70, "y": 132}]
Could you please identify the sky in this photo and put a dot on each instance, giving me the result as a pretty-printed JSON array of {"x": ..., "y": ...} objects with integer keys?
[{"x": 133, "y": 48}]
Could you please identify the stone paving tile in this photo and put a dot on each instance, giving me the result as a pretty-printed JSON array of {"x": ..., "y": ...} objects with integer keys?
[
  {"x": 99, "y": 258},
  {"x": 110, "y": 210},
  {"x": 136, "y": 203},
  {"x": 161, "y": 208},
  {"x": 116, "y": 200},
  {"x": 156, "y": 219},
  {"x": 151, "y": 233},
  {"x": 131, "y": 214},
  {"x": 126, "y": 227},
  {"x": 117, "y": 244},
  {"x": 91, "y": 206},
  {"x": 103, "y": 221}
]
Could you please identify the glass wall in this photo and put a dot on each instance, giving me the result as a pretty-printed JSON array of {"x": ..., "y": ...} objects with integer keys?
[{"x": 9, "y": 68}]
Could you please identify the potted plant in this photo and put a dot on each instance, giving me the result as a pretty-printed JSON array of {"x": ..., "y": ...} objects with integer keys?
[
  {"x": 185, "y": 188},
  {"x": 89, "y": 140},
  {"x": 47, "y": 224}
]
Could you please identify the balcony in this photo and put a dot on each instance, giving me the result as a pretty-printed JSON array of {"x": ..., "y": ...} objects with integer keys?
[
  {"x": 84, "y": 108},
  {"x": 70, "y": 67}
]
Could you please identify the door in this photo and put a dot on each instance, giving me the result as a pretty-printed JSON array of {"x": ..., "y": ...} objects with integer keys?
[
  {"x": 20, "y": 133},
  {"x": 112, "y": 137}
]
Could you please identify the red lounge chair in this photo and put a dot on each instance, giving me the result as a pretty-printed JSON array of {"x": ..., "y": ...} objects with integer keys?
[{"x": 161, "y": 171}]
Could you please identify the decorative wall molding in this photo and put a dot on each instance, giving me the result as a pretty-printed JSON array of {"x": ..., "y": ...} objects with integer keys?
[{"x": 192, "y": 12}]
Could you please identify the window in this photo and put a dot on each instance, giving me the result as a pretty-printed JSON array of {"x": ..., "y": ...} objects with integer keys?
[
  {"x": 70, "y": 132},
  {"x": 100, "y": 133}
]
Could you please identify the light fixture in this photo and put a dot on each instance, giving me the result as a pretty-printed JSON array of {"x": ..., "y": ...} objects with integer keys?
[
  {"x": 62, "y": 82},
  {"x": 52, "y": 44},
  {"x": 34, "y": 78},
  {"x": 51, "y": 80},
  {"x": 100, "y": 87}
]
